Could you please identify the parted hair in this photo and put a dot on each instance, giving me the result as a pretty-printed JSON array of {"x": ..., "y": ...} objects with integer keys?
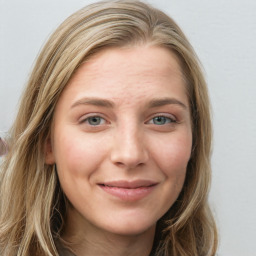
[{"x": 32, "y": 204}]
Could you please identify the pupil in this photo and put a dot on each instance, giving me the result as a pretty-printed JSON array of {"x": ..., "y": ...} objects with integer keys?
[
  {"x": 159, "y": 120},
  {"x": 94, "y": 120}
]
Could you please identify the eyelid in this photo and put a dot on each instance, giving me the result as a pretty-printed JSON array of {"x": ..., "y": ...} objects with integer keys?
[
  {"x": 89, "y": 115},
  {"x": 166, "y": 115},
  {"x": 100, "y": 115}
]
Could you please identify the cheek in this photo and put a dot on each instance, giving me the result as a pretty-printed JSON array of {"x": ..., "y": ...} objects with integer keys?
[
  {"x": 77, "y": 159},
  {"x": 77, "y": 155},
  {"x": 172, "y": 158}
]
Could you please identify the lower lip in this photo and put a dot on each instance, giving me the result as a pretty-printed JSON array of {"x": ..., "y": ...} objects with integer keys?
[{"x": 128, "y": 194}]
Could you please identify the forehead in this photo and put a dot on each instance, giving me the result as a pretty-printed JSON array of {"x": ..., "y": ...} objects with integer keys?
[
  {"x": 145, "y": 58},
  {"x": 128, "y": 73}
]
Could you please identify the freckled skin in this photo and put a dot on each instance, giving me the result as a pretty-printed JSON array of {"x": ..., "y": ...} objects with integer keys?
[{"x": 127, "y": 145}]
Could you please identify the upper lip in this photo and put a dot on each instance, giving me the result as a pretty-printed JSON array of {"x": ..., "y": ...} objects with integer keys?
[{"x": 129, "y": 184}]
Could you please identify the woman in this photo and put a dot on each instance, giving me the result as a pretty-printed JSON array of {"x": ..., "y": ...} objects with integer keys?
[{"x": 110, "y": 150}]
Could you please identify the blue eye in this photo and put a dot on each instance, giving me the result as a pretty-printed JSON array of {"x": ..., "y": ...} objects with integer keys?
[
  {"x": 94, "y": 120},
  {"x": 161, "y": 120}
]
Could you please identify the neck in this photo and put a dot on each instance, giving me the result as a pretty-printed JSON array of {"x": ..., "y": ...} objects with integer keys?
[{"x": 91, "y": 241}]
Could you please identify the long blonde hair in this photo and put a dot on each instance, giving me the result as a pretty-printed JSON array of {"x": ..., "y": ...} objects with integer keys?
[{"x": 32, "y": 205}]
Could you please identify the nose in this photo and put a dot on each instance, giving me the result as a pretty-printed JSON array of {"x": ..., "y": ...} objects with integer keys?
[{"x": 128, "y": 149}]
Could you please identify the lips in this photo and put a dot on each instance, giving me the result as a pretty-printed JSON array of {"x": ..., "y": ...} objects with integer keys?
[{"x": 128, "y": 190}]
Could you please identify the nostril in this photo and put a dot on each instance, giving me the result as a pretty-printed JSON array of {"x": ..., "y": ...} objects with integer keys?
[
  {"x": 129, "y": 164},
  {"x": 119, "y": 164}
]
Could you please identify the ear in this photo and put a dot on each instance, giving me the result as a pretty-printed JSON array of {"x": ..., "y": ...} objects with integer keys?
[{"x": 48, "y": 151}]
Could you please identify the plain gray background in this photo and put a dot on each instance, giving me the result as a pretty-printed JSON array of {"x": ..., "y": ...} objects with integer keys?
[{"x": 223, "y": 33}]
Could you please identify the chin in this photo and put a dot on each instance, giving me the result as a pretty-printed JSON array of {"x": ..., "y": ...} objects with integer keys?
[{"x": 131, "y": 227}]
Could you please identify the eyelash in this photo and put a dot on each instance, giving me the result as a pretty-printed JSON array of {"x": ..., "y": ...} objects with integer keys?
[
  {"x": 167, "y": 120},
  {"x": 170, "y": 120},
  {"x": 87, "y": 120}
]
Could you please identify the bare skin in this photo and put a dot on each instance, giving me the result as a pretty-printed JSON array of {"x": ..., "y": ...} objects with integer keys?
[
  {"x": 121, "y": 140},
  {"x": 97, "y": 242}
]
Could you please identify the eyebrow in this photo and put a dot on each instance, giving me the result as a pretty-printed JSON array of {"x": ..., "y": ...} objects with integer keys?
[
  {"x": 109, "y": 104},
  {"x": 95, "y": 102},
  {"x": 165, "y": 101}
]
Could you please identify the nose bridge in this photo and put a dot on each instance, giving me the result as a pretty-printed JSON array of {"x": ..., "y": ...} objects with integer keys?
[{"x": 129, "y": 147}]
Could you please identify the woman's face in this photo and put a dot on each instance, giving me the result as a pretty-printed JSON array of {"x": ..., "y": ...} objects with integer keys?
[{"x": 121, "y": 139}]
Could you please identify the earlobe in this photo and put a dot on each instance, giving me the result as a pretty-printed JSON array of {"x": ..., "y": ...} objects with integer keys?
[{"x": 48, "y": 152}]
